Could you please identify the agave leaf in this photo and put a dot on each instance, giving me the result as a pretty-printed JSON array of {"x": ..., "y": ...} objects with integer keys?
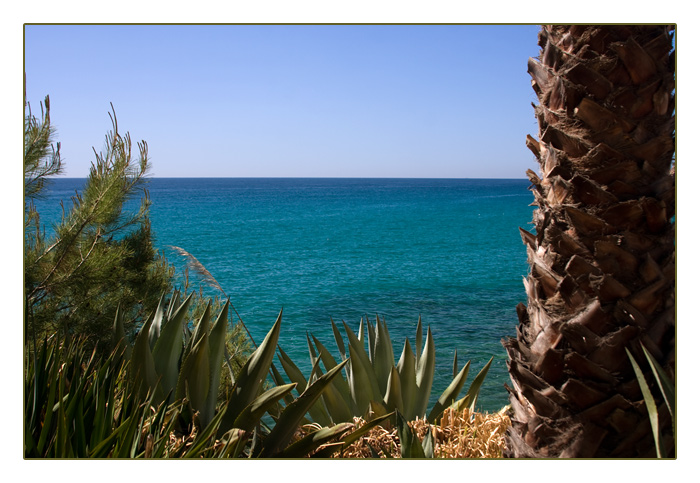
[
  {"x": 119, "y": 336},
  {"x": 407, "y": 375},
  {"x": 217, "y": 344},
  {"x": 143, "y": 365},
  {"x": 336, "y": 397},
  {"x": 339, "y": 382},
  {"x": 428, "y": 445},
  {"x": 338, "y": 340},
  {"x": 169, "y": 346},
  {"x": 364, "y": 385},
  {"x": 154, "y": 333},
  {"x": 312, "y": 441},
  {"x": 419, "y": 340},
  {"x": 361, "y": 332},
  {"x": 651, "y": 407},
  {"x": 424, "y": 375},
  {"x": 174, "y": 303},
  {"x": 250, "y": 416},
  {"x": 393, "y": 397},
  {"x": 450, "y": 394},
  {"x": 454, "y": 366},
  {"x": 371, "y": 338},
  {"x": 383, "y": 355},
  {"x": 336, "y": 405},
  {"x": 194, "y": 379},
  {"x": 359, "y": 381},
  {"x": 327, "y": 450},
  {"x": 252, "y": 375},
  {"x": 293, "y": 372},
  {"x": 289, "y": 420},
  {"x": 234, "y": 442},
  {"x": 376, "y": 409},
  {"x": 278, "y": 380},
  {"x": 667, "y": 387},
  {"x": 410, "y": 445},
  {"x": 469, "y": 401},
  {"x": 318, "y": 411},
  {"x": 364, "y": 429},
  {"x": 202, "y": 326}
]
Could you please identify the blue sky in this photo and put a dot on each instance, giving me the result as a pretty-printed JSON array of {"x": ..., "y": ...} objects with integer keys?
[{"x": 292, "y": 100}]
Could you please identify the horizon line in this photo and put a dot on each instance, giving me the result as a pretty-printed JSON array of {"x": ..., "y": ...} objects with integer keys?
[{"x": 297, "y": 177}]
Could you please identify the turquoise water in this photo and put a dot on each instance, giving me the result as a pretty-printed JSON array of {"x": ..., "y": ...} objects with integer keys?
[{"x": 445, "y": 249}]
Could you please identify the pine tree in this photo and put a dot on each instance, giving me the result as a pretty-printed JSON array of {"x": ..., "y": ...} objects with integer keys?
[{"x": 101, "y": 254}]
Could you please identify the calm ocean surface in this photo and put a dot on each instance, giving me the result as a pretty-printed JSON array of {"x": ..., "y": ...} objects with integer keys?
[{"x": 446, "y": 249}]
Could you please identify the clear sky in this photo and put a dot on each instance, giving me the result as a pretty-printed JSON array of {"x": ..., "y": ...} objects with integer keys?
[{"x": 292, "y": 100}]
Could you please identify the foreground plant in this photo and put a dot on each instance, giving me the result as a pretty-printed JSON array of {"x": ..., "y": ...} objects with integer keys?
[
  {"x": 168, "y": 362},
  {"x": 78, "y": 406},
  {"x": 374, "y": 385}
]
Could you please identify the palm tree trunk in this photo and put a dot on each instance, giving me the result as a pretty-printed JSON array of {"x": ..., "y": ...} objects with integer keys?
[{"x": 602, "y": 260}]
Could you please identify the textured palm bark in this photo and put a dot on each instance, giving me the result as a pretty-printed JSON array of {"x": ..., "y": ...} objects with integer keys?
[{"x": 602, "y": 260}]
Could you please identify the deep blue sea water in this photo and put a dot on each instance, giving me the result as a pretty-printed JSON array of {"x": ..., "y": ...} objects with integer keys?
[{"x": 445, "y": 249}]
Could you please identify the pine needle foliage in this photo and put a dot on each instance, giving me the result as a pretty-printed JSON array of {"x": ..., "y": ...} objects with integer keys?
[{"x": 100, "y": 255}]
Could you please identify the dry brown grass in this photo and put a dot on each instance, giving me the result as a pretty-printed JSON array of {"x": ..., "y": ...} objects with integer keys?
[
  {"x": 458, "y": 435},
  {"x": 462, "y": 434}
]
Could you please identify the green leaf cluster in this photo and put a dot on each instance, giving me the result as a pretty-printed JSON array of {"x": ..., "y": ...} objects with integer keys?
[
  {"x": 374, "y": 385},
  {"x": 168, "y": 360}
]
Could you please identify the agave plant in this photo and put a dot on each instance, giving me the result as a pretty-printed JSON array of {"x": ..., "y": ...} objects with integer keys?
[
  {"x": 166, "y": 359},
  {"x": 373, "y": 384}
]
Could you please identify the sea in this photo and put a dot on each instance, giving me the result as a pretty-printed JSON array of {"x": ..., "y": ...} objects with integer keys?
[{"x": 321, "y": 249}]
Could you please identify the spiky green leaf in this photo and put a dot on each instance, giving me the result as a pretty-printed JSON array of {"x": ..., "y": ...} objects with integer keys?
[
  {"x": 450, "y": 394},
  {"x": 393, "y": 397},
  {"x": 406, "y": 368},
  {"x": 194, "y": 380},
  {"x": 289, "y": 420},
  {"x": 383, "y": 360},
  {"x": 309, "y": 443},
  {"x": 169, "y": 346},
  {"x": 424, "y": 375},
  {"x": 410, "y": 444},
  {"x": 250, "y": 416},
  {"x": 469, "y": 401},
  {"x": 364, "y": 386},
  {"x": 250, "y": 379}
]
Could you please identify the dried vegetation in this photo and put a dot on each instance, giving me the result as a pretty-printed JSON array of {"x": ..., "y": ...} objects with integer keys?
[{"x": 462, "y": 434}]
